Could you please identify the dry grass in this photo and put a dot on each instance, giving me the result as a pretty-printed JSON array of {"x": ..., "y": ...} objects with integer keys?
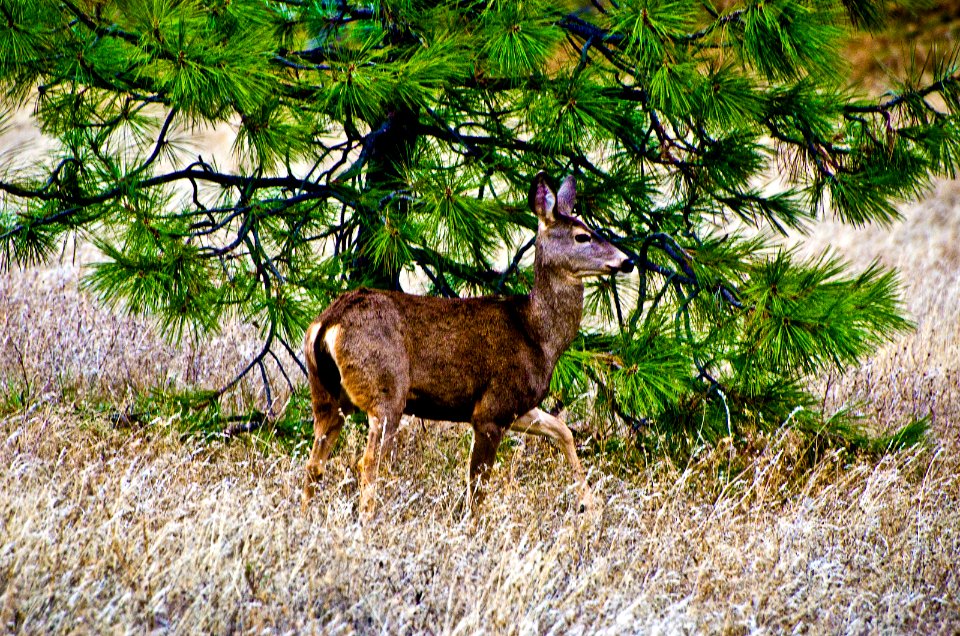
[
  {"x": 58, "y": 346},
  {"x": 920, "y": 373},
  {"x": 111, "y": 530}
]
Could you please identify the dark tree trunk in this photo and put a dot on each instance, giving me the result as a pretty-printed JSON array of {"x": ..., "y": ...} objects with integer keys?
[{"x": 390, "y": 151}]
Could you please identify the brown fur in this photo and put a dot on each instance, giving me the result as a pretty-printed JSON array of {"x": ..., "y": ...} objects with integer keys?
[{"x": 487, "y": 361}]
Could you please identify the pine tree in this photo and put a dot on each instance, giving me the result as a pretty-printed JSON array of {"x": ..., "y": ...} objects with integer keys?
[{"x": 391, "y": 143}]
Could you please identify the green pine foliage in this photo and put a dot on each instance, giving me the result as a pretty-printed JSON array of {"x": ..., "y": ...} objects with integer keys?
[{"x": 393, "y": 141}]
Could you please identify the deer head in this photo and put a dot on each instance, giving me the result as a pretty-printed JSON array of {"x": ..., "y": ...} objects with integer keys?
[{"x": 565, "y": 245}]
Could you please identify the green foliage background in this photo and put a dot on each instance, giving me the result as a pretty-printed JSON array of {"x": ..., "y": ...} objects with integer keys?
[{"x": 385, "y": 139}]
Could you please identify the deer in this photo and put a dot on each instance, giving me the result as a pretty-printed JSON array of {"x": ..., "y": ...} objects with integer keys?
[{"x": 486, "y": 361}]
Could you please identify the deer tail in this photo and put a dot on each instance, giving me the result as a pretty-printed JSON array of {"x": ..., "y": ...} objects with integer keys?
[{"x": 321, "y": 364}]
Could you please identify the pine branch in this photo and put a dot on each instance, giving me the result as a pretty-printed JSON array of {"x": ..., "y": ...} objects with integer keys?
[
  {"x": 90, "y": 23},
  {"x": 243, "y": 183},
  {"x": 161, "y": 141},
  {"x": 514, "y": 264},
  {"x": 380, "y": 139},
  {"x": 883, "y": 108}
]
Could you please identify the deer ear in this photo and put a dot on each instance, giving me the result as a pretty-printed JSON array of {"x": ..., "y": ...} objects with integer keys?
[
  {"x": 542, "y": 199},
  {"x": 567, "y": 196}
]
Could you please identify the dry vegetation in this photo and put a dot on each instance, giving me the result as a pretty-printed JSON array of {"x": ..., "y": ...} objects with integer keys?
[
  {"x": 110, "y": 530},
  {"x": 134, "y": 528}
]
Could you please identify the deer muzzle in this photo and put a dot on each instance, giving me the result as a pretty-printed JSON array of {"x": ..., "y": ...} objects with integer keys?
[{"x": 624, "y": 266}]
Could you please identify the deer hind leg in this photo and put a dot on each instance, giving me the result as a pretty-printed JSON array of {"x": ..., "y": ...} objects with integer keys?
[
  {"x": 369, "y": 349},
  {"x": 327, "y": 422},
  {"x": 383, "y": 425},
  {"x": 538, "y": 422}
]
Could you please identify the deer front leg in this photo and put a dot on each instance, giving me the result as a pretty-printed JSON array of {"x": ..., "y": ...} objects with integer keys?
[
  {"x": 538, "y": 422},
  {"x": 486, "y": 440}
]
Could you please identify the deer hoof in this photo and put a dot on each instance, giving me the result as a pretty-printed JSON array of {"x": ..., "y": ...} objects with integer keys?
[
  {"x": 587, "y": 504},
  {"x": 308, "y": 492},
  {"x": 367, "y": 504}
]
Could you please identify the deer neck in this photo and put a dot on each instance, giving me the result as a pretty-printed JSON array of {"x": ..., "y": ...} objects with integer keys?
[{"x": 555, "y": 309}]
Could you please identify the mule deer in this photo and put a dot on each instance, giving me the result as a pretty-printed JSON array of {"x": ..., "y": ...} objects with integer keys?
[{"x": 487, "y": 361}]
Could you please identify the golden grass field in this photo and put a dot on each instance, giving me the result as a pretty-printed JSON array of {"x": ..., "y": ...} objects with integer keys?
[{"x": 108, "y": 528}]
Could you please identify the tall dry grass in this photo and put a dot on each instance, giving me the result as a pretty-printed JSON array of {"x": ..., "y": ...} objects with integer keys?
[
  {"x": 919, "y": 373},
  {"x": 116, "y": 531}
]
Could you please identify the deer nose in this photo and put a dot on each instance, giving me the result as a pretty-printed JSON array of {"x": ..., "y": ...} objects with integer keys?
[{"x": 626, "y": 266}]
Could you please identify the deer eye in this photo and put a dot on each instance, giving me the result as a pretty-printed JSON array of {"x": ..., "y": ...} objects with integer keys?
[{"x": 582, "y": 238}]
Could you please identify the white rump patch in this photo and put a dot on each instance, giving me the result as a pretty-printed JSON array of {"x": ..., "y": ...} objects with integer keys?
[{"x": 330, "y": 338}]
